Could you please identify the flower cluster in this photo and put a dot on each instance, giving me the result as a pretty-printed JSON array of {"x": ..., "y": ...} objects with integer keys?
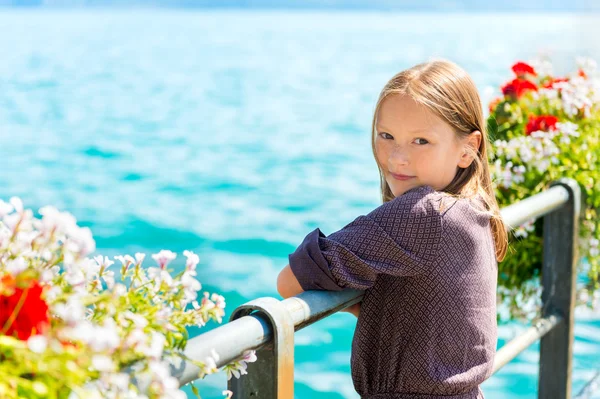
[
  {"x": 544, "y": 127},
  {"x": 70, "y": 327},
  {"x": 538, "y": 149}
]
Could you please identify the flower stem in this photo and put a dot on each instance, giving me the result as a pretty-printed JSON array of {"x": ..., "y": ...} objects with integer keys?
[{"x": 15, "y": 312}]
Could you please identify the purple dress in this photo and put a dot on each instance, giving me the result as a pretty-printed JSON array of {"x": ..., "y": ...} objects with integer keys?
[{"x": 427, "y": 327}]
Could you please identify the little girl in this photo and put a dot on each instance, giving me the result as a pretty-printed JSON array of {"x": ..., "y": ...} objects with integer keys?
[{"x": 427, "y": 257}]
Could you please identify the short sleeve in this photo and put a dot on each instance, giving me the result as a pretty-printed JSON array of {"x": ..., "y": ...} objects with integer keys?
[{"x": 398, "y": 238}]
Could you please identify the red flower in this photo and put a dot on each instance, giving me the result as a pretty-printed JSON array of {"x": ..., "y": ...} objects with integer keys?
[
  {"x": 542, "y": 122},
  {"x": 521, "y": 69},
  {"x": 23, "y": 312},
  {"x": 582, "y": 73},
  {"x": 550, "y": 83},
  {"x": 517, "y": 87}
]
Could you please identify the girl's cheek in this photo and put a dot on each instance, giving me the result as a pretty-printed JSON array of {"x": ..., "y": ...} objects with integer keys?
[{"x": 382, "y": 153}]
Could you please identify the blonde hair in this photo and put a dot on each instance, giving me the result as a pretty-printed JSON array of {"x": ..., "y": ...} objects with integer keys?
[{"x": 449, "y": 92}]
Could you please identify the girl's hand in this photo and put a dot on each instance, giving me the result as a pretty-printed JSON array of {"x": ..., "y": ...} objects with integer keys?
[{"x": 354, "y": 309}]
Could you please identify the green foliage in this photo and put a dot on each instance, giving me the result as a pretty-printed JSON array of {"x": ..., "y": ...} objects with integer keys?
[{"x": 539, "y": 136}]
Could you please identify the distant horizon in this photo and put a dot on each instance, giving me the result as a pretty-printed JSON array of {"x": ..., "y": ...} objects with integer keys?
[{"x": 359, "y": 5}]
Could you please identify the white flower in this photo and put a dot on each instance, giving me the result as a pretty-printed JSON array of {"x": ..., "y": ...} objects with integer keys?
[
  {"x": 12, "y": 220},
  {"x": 588, "y": 65},
  {"x": 120, "y": 381},
  {"x": 219, "y": 300},
  {"x": 89, "y": 391},
  {"x": 109, "y": 279},
  {"x": 100, "y": 338},
  {"x": 236, "y": 370},
  {"x": 210, "y": 363},
  {"x": 164, "y": 257},
  {"x": 164, "y": 313},
  {"x": 16, "y": 266},
  {"x": 577, "y": 95},
  {"x": 86, "y": 243},
  {"x": 239, "y": 368},
  {"x": 167, "y": 385},
  {"x": 37, "y": 343},
  {"x": 53, "y": 292},
  {"x": 249, "y": 356},
  {"x": 5, "y": 208},
  {"x": 138, "y": 320},
  {"x": 228, "y": 393},
  {"x": 198, "y": 315},
  {"x": 548, "y": 93},
  {"x": 159, "y": 276},
  {"x": 103, "y": 262},
  {"x": 519, "y": 172},
  {"x": 80, "y": 241},
  {"x": 137, "y": 339},
  {"x": 103, "y": 363},
  {"x": 50, "y": 274},
  {"x": 526, "y": 228},
  {"x": 543, "y": 67},
  {"x": 139, "y": 258},
  {"x": 75, "y": 277},
  {"x": 119, "y": 289},
  {"x": 157, "y": 345},
  {"x": 192, "y": 260},
  {"x": 56, "y": 249},
  {"x": 89, "y": 267},
  {"x": 126, "y": 261},
  {"x": 72, "y": 311},
  {"x": 53, "y": 220},
  {"x": 17, "y": 204},
  {"x": 190, "y": 285}
]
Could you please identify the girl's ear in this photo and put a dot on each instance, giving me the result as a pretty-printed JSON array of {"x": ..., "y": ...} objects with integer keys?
[{"x": 471, "y": 147}]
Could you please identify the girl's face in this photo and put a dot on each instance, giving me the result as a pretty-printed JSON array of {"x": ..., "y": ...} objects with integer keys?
[{"x": 415, "y": 147}]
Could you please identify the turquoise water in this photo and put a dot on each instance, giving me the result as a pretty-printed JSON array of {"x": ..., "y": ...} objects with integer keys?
[{"x": 234, "y": 134}]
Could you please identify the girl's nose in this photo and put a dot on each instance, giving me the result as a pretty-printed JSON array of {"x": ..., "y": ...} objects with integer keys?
[{"x": 399, "y": 156}]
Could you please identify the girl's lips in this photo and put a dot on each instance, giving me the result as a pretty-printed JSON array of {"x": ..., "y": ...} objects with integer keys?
[{"x": 401, "y": 177}]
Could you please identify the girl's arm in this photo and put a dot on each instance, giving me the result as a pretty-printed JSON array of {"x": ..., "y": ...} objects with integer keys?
[
  {"x": 287, "y": 283},
  {"x": 288, "y": 286}
]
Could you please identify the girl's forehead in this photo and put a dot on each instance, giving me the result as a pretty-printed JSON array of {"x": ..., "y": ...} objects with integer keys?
[{"x": 402, "y": 112}]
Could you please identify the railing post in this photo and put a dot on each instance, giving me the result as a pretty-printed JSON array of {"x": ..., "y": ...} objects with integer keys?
[
  {"x": 559, "y": 271},
  {"x": 272, "y": 375}
]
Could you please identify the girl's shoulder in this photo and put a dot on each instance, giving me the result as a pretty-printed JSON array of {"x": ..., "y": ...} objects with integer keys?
[
  {"x": 412, "y": 221},
  {"x": 417, "y": 208},
  {"x": 425, "y": 201},
  {"x": 416, "y": 200}
]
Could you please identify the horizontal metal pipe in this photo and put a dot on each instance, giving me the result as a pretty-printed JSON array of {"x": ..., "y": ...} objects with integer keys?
[
  {"x": 535, "y": 206},
  {"x": 311, "y": 306},
  {"x": 512, "y": 349},
  {"x": 229, "y": 341},
  {"x": 252, "y": 332}
]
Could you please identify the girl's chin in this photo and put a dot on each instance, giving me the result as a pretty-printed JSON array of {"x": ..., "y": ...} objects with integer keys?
[{"x": 399, "y": 189}]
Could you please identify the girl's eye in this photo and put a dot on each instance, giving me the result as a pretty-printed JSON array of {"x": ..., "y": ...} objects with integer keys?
[
  {"x": 421, "y": 141},
  {"x": 384, "y": 134}
]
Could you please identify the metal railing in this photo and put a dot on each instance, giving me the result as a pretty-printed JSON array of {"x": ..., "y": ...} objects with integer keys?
[{"x": 267, "y": 325}]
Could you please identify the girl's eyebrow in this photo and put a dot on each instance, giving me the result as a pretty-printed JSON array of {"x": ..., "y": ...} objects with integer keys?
[{"x": 425, "y": 130}]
